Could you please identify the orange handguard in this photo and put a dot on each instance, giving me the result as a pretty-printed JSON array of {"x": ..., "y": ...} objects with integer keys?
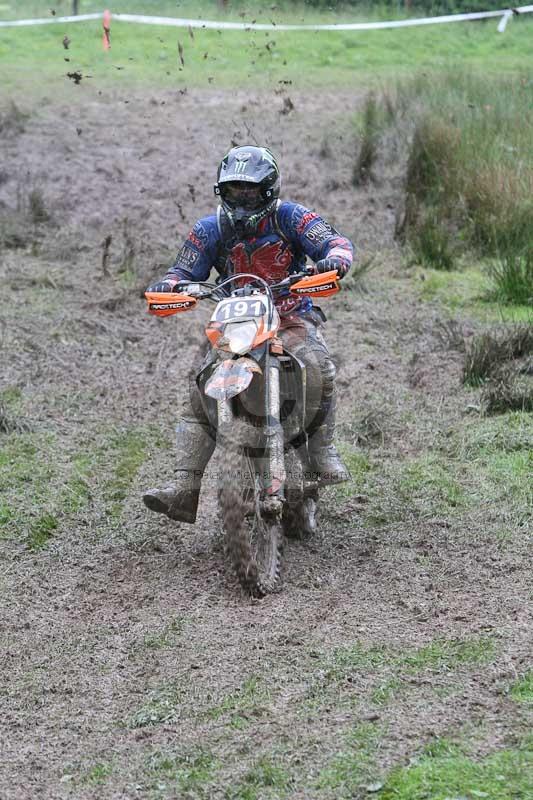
[
  {"x": 164, "y": 304},
  {"x": 322, "y": 285}
]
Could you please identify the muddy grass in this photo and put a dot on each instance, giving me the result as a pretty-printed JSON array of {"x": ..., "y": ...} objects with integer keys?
[{"x": 132, "y": 666}]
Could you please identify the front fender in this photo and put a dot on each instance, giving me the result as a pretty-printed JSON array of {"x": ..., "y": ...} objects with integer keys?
[{"x": 230, "y": 378}]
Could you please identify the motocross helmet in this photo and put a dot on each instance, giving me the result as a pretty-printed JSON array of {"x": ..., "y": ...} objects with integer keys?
[{"x": 248, "y": 184}]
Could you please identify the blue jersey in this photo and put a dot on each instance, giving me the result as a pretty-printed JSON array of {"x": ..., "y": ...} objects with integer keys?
[{"x": 279, "y": 247}]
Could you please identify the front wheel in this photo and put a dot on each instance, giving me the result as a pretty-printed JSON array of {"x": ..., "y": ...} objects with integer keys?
[{"x": 253, "y": 529}]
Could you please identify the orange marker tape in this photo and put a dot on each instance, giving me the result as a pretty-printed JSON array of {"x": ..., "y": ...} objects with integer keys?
[{"x": 107, "y": 30}]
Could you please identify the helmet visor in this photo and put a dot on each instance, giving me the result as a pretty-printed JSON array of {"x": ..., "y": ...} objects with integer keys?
[{"x": 238, "y": 194}]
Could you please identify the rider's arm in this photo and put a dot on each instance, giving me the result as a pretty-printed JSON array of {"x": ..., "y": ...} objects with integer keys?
[
  {"x": 316, "y": 237},
  {"x": 198, "y": 253}
]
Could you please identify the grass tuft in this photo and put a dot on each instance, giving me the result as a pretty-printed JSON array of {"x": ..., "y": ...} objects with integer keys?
[
  {"x": 265, "y": 774},
  {"x": 58, "y": 484},
  {"x": 522, "y": 690},
  {"x": 165, "y": 637},
  {"x": 354, "y": 281},
  {"x": 358, "y": 465},
  {"x": 488, "y": 351},
  {"x": 430, "y": 485},
  {"x": 97, "y": 775},
  {"x": 385, "y": 691},
  {"x": 371, "y": 127},
  {"x": 10, "y": 423},
  {"x": 15, "y": 229},
  {"x": 506, "y": 390},
  {"x": 5, "y": 514},
  {"x": 451, "y": 334},
  {"x": 467, "y": 291},
  {"x": 512, "y": 277},
  {"x": 448, "y": 654},
  {"x": 129, "y": 448},
  {"x": 441, "y": 747},
  {"x": 469, "y": 170},
  {"x": 496, "y": 437},
  {"x": 354, "y": 765},
  {"x": 41, "y": 530},
  {"x": 37, "y": 207},
  {"x": 248, "y": 699},
  {"x": 432, "y": 245},
  {"x": 503, "y": 776},
  {"x": 190, "y": 772},
  {"x": 369, "y": 428},
  {"x": 162, "y": 706},
  {"x": 391, "y": 665}
]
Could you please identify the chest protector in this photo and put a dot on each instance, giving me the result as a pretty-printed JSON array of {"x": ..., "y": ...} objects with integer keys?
[{"x": 269, "y": 253}]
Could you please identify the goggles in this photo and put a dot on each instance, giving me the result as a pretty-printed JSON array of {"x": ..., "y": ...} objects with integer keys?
[{"x": 242, "y": 195}]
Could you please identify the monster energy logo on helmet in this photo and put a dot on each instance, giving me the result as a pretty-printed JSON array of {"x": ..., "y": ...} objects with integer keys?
[
  {"x": 249, "y": 165},
  {"x": 269, "y": 157},
  {"x": 240, "y": 166}
]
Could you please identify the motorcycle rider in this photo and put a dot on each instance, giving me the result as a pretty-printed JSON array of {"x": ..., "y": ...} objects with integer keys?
[{"x": 254, "y": 231}]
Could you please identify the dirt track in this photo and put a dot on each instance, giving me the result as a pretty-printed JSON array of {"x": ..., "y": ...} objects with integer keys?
[{"x": 124, "y": 640}]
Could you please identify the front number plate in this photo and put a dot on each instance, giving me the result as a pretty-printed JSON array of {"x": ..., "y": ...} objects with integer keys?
[{"x": 242, "y": 308}]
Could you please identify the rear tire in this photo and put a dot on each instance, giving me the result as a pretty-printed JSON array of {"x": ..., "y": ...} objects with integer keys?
[
  {"x": 294, "y": 495},
  {"x": 301, "y": 500}
]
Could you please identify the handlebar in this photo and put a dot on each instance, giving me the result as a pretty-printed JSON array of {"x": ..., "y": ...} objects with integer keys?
[
  {"x": 214, "y": 291},
  {"x": 187, "y": 293}
]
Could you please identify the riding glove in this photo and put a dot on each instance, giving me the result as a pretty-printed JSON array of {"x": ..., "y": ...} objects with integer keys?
[
  {"x": 327, "y": 264},
  {"x": 163, "y": 286}
]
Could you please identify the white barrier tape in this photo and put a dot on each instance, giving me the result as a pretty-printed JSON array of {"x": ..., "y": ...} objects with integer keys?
[
  {"x": 354, "y": 26},
  {"x": 259, "y": 26},
  {"x": 504, "y": 20}
]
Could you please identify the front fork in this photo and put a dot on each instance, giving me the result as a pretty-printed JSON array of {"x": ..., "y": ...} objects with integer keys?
[{"x": 274, "y": 479}]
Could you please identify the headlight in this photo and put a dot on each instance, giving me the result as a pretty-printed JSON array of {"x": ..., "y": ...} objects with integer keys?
[{"x": 239, "y": 336}]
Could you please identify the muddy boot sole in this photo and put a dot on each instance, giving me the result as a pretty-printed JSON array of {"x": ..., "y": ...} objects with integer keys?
[
  {"x": 177, "y": 511},
  {"x": 181, "y": 515},
  {"x": 155, "y": 504}
]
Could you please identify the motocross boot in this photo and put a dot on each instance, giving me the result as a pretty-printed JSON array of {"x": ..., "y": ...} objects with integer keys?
[
  {"x": 326, "y": 464},
  {"x": 195, "y": 444}
]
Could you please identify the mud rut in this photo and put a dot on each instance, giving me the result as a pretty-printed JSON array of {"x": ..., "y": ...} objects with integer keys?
[{"x": 76, "y": 617}]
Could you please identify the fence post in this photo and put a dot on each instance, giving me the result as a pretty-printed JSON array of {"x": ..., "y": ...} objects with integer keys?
[{"x": 75, "y": 4}]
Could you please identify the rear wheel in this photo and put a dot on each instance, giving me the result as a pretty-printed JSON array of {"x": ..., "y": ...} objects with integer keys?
[
  {"x": 299, "y": 512},
  {"x": 253, "y": 529}
]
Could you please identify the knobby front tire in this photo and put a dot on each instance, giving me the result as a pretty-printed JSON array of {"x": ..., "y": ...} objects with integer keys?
[{"x": 254, "y": 541}]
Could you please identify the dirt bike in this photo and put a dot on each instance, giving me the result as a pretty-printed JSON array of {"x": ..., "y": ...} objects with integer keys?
[{"x": 253, "y": 393}]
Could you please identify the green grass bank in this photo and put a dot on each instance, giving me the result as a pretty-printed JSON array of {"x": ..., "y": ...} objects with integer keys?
[{"x": 146, "y": 54}]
